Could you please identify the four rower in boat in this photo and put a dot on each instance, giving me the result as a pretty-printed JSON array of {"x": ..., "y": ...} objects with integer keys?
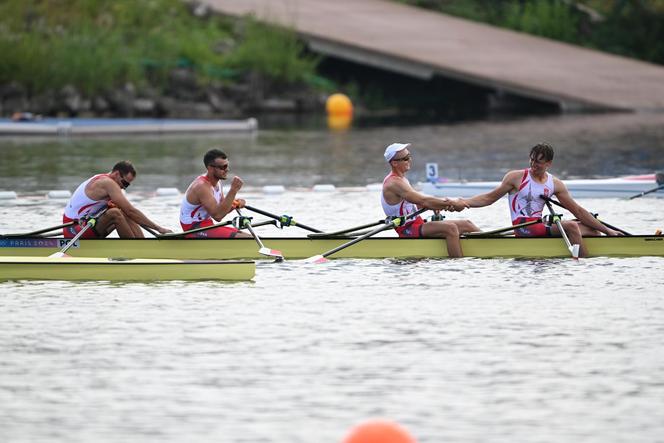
[
  {"x": 398, "y": 198},
  {"x": 204, "y": 201},
  {"x": 525, "y": 187},
  {"x": 105, "y": 191}
]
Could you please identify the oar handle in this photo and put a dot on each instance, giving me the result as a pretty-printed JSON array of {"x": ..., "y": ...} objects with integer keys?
[{"x": 284, "y": 219}]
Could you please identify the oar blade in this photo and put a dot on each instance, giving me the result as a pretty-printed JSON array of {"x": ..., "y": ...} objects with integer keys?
[
  {"x": 316, "y": 259},
  {"x": 574, "y": 250},
  {"x": 58, "y": 254},
  {"x": 270, "y": 252}
]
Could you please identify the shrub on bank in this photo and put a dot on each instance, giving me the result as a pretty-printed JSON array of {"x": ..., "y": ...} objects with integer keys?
[{"x": 96, "y": 46}]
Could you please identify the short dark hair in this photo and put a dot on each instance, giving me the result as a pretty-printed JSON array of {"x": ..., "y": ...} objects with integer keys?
[
  {"x": 213, "y": 154},
  {"x": 542, "y": 151},
  {"x": 125, "y": 167}
]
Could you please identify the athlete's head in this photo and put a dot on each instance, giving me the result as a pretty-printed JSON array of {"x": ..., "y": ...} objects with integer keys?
[
  {"x": 125, "y": 168},
  {"x": 541, "y": 152},
  {"x": 212, "y": 155}
]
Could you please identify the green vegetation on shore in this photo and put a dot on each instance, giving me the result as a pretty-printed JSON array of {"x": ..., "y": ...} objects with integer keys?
[
  {"x": 98, "y": 45},
  {"x": 633, "y": 28}
]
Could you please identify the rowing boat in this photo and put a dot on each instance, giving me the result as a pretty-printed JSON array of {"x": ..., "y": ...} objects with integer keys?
[
  {"x": 583, "y": 188},
  {"x": 86, "y": 268},
  {"x": 297, "y": 248}
]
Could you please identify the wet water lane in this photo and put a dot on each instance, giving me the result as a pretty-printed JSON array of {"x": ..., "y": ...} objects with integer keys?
[{"x": 467, "y": 350}]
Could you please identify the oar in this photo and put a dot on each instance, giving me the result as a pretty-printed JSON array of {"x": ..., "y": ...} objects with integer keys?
[
  {"x": 557, "y": 203},
  {"x": 390, "y": 223},
  {"x": 190, "y": 231},
  {"x": 91, "y": 222},
  {"x": 659, "y": 178},
  {"x": 41, "y": 231},
  {"x": 284, "y": 220},
  {"x": 573, "y": 249},
  {"x": 345, "y": 231},
  {"x": 262, "y": 249},
  {"x": 501, "y": 230}
]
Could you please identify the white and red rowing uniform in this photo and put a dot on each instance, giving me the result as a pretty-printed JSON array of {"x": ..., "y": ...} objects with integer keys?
[
  {"x": 80, "y": 206},
  {"x": 195, "y": 216},
  {"x": 526, "y": 205},
  {"x": 412, "y": 228}
]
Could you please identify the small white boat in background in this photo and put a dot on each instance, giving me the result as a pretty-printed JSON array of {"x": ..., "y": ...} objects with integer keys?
[{"x": 618, "y": 187}]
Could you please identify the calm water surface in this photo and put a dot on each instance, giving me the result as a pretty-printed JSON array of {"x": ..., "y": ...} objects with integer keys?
[{"x": 466, "y": 350}]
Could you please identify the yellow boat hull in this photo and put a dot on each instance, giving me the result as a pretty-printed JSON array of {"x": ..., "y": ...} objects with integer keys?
[
  {"x": 298, "y": 248},
  {"x": 86, "y": 268}
]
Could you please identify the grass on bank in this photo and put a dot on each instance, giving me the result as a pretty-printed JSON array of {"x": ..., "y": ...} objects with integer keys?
[{"x": 97, "y": 45}]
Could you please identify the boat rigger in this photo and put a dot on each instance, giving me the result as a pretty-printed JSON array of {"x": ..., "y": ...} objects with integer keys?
[{"x": 301, "y": 248}]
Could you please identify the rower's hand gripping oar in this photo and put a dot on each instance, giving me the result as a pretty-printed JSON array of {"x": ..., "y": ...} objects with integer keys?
[
  {"x": 91, "y": 221},
  {"x": 284, "y": 220},
  {"x": 573, "y": 249},
  {"x": 659, "y": 177},
  {"x": 245, "y": 222},
  {"x": 389, "y": 223}
]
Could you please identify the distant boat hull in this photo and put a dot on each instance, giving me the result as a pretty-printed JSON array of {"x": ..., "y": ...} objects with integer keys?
[
  {"x": 586, "y": 188},
  {"x": 118, "y": 126},
  {"x": 76, "y": 268}
]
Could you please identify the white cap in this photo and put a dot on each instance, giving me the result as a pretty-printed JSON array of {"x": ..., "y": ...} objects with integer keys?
[{"x": 391, "y": 150}]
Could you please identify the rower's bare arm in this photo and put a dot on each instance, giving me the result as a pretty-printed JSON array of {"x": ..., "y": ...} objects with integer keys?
[
  {"x": 119, "y": 199},
  {"x": 435, "y": 203},
  {"x": 219, "y": 210},
  {"x": 489, "y": 198},
  {"x": 585, "y": 217}
]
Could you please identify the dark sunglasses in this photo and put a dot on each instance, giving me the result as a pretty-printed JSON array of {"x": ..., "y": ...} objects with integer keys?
[
  {"x": 402, "y": 159},
  {"x": 221, "y": 168},
  {"x": 125, "y": 183}
]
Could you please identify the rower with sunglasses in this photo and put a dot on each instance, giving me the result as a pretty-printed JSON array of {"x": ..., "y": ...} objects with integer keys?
[
  {"x": 399, "y": 198},
  {"x": 105, "y": 191},
  {"x": 204, "y": 201}
]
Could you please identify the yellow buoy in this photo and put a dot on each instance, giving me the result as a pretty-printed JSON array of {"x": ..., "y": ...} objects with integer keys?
[
  {"x": 339, "y": 123},
  {"x": 379, "y": 431},
  {"x": 339, "y": 104}
]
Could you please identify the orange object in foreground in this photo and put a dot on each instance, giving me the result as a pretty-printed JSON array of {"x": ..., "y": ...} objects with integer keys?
[{"x": 379, "y": 431}]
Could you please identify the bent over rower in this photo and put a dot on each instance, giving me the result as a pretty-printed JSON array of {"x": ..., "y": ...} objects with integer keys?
[
  {"x": 105, "y": 191},
  {"x": 204, "y": 200},
  {"x": 398, "y": 198}
]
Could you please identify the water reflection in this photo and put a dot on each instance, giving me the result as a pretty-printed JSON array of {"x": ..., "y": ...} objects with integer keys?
[{"x": 586, "y": 146}]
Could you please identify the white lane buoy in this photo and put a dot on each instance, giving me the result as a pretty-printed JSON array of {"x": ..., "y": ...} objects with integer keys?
[
  {"x": 273, "y": 189},
  {"x": 167, "y": 192},
  {"x": 374, "y": 187},
  {"x": 324, "y": 188},
  {"x": 8, "y": 195},
  {"x": 58, "y": 194}
]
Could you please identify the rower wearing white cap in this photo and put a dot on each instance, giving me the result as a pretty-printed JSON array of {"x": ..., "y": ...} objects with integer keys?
[{"x": 399, "y": 198}]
